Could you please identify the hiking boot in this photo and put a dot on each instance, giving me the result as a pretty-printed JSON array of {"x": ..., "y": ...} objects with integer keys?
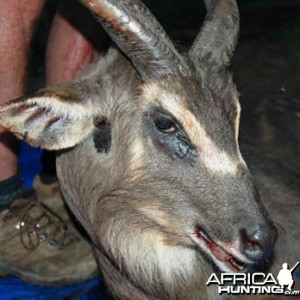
[{"x": 39, "y": 243}]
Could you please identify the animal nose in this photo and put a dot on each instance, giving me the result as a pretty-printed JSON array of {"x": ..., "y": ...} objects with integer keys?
[{"x": 257, "y": 242}]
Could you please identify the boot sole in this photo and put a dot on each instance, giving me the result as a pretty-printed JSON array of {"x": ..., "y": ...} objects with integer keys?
[{"x": 6, "y": 271}]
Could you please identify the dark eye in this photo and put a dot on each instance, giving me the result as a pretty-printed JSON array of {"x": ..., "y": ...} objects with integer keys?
[{"x": 165, "y": 125}]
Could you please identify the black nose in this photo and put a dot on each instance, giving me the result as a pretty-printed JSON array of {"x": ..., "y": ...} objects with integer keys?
[{"x": 257, "y": 242}]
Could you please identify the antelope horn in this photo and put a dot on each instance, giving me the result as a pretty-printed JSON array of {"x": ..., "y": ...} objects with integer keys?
[
  {"x": 217, "y": 39},
  {"x": 138, "y": 34}
]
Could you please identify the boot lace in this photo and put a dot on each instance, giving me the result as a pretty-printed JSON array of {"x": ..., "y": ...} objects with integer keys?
[{"x": 38, "y": 224}]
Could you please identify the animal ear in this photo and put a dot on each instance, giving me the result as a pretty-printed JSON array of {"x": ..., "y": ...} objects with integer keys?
[{"x": 55, "y": 118}]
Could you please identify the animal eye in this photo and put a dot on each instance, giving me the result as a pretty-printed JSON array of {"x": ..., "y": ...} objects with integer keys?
[{"x": 165, "y": 125}]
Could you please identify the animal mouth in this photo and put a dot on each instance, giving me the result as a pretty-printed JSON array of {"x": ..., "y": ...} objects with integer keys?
[{"x": 225, "y": 260}]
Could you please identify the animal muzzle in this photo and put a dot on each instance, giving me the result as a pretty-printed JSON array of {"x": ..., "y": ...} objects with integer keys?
[
  {"x": 249, "y": 246},
  {"x": 257, "y": 242}
]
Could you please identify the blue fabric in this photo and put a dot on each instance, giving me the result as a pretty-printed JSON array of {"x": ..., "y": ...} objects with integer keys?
[
  {"x": 13, "y": 288},
  {"x": 29, "y": 163}
]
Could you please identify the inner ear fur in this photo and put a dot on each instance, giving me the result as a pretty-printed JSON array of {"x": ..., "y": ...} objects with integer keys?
[{"x": 55, "y": 118}]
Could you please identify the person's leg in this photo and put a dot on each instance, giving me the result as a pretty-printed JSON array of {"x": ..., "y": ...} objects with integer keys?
[{"x": 17, "y": 20}]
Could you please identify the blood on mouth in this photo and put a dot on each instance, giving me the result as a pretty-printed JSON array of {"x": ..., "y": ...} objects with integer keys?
[{"x": 219, "y": 253}]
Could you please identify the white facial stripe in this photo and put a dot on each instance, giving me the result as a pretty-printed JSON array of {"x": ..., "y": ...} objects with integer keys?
[
  {"x": 216, "y": 160},
  {"x": 219, "y": 162}
]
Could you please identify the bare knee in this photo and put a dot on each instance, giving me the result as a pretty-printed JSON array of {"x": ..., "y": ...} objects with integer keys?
[
  {"x": 20, "y": 16},
  {"x": 17, "y": 20}
]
